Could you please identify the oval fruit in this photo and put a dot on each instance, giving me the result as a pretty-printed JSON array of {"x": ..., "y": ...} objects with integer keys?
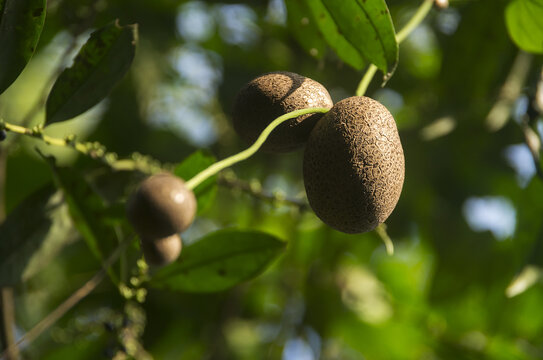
[
  {"x": 271, "y": 95},
  {"x": 163, "y": 251},
  {"x": 161, "y": 206},
  {"x": 354, "y": 165}
]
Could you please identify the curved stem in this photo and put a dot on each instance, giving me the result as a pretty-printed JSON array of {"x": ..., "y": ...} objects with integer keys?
[
  {"x": 417, "y": 18},
  {"x": 365, "y": 82},
  {"x": 247, "y": 153},
  {"x": 415, "y": 21},
  {"x": 381, "y": 230}
]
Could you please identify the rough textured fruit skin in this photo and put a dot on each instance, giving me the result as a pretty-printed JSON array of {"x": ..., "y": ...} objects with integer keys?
[
  {"x": 354, "y": 165},
  {"x": 163, "y": 251},
  {"x": 274, "y": 94},
  {"x": 161, "y": 206}
]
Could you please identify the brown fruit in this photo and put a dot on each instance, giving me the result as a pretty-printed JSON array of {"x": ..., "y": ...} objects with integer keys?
[
  {"x": 163, "y": 251},
  {"x": 271, "y": 95},
  {"x": 161, "y": 206},
  {"x": 354, "y": 165}
]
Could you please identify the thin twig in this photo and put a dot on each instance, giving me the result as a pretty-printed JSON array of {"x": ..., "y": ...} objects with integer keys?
[
  {"x": 63, "y": 308},
  {"x": 94, "y": 150},
  {"x": 232, "y": 182},
  {"x": 8, "y": 323}
]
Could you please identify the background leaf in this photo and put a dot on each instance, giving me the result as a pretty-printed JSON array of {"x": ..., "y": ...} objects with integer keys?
[
  {"x": 88, "y": 213},
  {"x": 33, "y": 234},
  {"x": 523, "y": 19},
  {"x": 191, "y": 166},
  {"x": 101, "y": 63},
  {"x": 219, "y": 261},
  {"x": 21, "y": 23}
]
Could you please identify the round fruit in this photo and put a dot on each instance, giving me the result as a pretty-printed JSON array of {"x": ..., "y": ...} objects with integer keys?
[
  {"x": 3, "y": 135},
  {"x": 161, "y": 206},
  {"x": 354, "y": 165},
  {"x": 163, "y": 251},
  {"x": 271, "y": 95}
]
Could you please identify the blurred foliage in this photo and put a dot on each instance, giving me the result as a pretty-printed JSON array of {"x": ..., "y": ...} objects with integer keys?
[{"x": 330, "y": 295}]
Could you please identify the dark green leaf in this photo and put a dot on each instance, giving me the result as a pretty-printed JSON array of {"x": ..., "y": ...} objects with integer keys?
[
  {"x": 21, "y": 23},
  {"x": 523, "y": 18},
  {"x": 305, "y": 29},
  {"x": 88, "y": 212},
  {"x": 192, "y": 165},
  {"x": 101, "y": 63},
  {"x": 33, "y": 234},
  {"x": 333, "y": 36},
  {"x": 219, "y": 261},
  {"x": 367, "y": 26}
]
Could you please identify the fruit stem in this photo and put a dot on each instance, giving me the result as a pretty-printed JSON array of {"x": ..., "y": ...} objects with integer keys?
[
  {"x": 250, "y": 151},
  {"x": 415, "y": 21},
  {"x": 381, "y": 230}
]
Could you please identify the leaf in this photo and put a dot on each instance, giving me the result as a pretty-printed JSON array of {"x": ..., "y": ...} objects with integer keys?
[
  {"x": 305, "y": 29},
  {"x": 333, "y": 36},
  {"x": 101, "y": 63},
  {"x": 523, "y": 19},
  {"x": 219, "y": 261},
  {"x": 21, "y": 23},
  {"x": 33, "y": 234},
  {"x": 367, "y": 25},
  {"x": 191, "y": 166},
  {"x": 359, "y": 31},
  {"x": 88, "y": 212}
]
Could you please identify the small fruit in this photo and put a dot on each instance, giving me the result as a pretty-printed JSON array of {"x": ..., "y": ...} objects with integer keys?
[
  {"x": 163, "y": 251},
  {"x": 271, "y": 95},
  {"x": 3, "y": 135},
  {"x": 354, "y": 165},
  {"x": 161, "y": 206}
]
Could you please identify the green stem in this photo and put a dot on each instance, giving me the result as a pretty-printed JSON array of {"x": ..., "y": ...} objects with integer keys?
[
  {"x": 415, "y": 21},
  {"x": 381, "y": 230},
  {"x": 366, "y": 80},
  {"x": 245, "y": 154}
]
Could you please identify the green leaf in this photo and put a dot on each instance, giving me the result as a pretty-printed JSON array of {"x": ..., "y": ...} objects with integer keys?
[
  {"x": 101, "y": 63},
  {"x": 21, "y": 23},
  {"x": 88, "y": 212},
  {"x": 367, "y": 25},
  {"x": 333, "y": 36},
  {"x": 359, "y": 31},
  {"x": 305, "y": 29},
  {"x": 192, "y": 165},
  {"x": 525, "y": 24},
  {"x": 33, "y": 234},
  {"x": 219, "y": 261}
]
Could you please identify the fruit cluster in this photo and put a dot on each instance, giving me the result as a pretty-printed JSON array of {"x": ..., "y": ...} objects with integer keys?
[
  {"x": 159, "y": 210},
  {"x": 353, "y": 165}
]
